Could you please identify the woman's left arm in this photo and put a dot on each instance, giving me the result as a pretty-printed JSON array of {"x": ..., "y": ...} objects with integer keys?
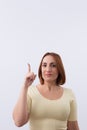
[{"x": 72, "y": 123}]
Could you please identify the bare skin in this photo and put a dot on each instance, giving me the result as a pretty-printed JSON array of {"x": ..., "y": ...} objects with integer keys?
[{"x": 51, "y": 94}]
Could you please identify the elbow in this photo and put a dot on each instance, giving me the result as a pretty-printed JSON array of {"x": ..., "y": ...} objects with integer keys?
[{"x": 19, "y": 123}]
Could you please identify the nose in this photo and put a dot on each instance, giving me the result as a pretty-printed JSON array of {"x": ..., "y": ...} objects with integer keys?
[{"x": 48, "y": 68}]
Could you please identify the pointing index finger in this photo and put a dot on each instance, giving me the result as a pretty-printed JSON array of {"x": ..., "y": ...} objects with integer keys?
[{"x": 29, "y": 67}]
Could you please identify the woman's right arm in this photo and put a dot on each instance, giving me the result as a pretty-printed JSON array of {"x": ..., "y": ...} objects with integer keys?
[{"x": 20, "y": 112}]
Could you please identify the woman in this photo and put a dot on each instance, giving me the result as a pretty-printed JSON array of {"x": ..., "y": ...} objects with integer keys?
[{"x": 48, "y": 105}]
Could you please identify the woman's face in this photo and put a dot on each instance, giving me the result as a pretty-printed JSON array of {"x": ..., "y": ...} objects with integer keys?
[{"x": 49, "y": 69}]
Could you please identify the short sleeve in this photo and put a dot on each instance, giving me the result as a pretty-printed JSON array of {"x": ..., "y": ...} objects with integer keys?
[
  {"x": 29, "y": 101},
  {"x": 73, "y": 108}
]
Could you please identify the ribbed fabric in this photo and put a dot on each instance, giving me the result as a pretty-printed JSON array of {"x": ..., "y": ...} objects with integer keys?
[{"x": 46, "y": 114}]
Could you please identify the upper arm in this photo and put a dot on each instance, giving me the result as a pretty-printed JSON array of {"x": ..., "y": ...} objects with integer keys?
[
  {"x": 73, "y": 108},
  {"x": 29, "y": 102},
  {"x": 72, "y": 123}
]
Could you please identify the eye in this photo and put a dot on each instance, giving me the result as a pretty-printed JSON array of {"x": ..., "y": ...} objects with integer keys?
[
  {"x": 53, "y": 65},
  {"x": 44, "y": 65}
]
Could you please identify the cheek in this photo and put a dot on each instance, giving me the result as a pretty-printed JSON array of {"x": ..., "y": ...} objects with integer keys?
[
  {"x": 56, "y": 73},
  {"x": 42, "y": 72}
]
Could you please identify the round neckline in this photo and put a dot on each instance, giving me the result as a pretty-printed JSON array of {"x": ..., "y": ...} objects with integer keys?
[{"x": 42, "y": 96}]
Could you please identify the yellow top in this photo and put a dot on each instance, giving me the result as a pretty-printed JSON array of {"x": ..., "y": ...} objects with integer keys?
[{"x": 46, "y": 114}]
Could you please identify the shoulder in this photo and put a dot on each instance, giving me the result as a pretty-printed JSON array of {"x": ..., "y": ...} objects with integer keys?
[
  {"x": 69, "y": 92},
  {"x": 31, "y": 90}
]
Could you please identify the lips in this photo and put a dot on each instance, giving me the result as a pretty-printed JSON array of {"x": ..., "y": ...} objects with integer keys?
[{"x": 48, "y": 74}]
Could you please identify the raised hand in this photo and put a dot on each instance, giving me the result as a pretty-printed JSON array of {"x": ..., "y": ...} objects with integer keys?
[{"x": 30, "y": 77}]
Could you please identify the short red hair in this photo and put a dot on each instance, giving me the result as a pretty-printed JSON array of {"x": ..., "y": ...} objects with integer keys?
[{"x": 61, "y": 76}]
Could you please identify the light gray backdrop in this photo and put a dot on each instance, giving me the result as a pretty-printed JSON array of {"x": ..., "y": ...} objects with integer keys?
[{"x": 28, "y": 29}]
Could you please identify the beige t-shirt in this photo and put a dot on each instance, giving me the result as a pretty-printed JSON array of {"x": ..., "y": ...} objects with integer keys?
[{"x": 46, "y": 114}]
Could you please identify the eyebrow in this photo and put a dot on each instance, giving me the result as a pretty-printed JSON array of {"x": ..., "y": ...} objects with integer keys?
[{"x": 50, "y": 63}]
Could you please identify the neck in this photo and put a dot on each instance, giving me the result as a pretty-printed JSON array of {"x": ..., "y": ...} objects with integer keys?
[{"x": 50, "y": 86}]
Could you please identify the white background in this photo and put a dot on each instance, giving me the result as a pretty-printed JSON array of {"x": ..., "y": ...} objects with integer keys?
[{"x": 28, "y": 29}]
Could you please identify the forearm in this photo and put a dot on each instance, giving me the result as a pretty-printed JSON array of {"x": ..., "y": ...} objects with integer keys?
[
  {"x": 20, "y": 112},
  {"x": 73, "y": 125}
]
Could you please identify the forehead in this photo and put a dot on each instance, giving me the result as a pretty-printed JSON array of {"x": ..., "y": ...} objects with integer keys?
[{"x": 48, "y": 58}]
